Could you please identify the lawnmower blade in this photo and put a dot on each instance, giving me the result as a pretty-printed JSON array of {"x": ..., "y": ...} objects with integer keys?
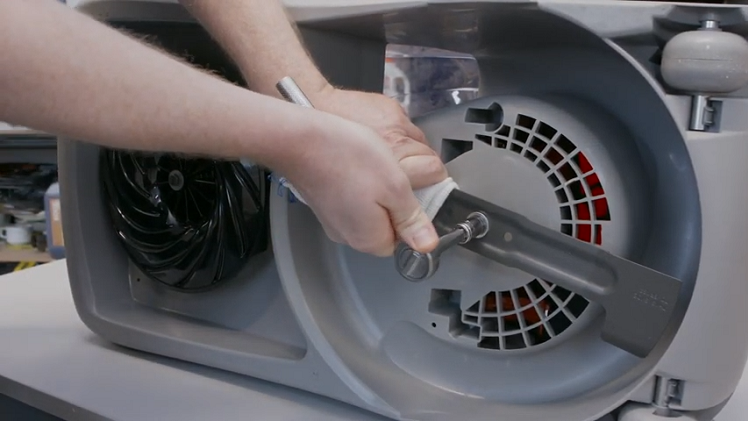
[{"x": 638, "y": 301}]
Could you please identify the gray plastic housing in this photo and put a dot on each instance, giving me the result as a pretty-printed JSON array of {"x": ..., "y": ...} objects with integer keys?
[{"x": 319, "y": 317}]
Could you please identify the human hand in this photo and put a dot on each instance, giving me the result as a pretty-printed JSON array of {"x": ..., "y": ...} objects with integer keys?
[
  {"x": 356, "y": 189},
  {"x": 385, "y": 116}
]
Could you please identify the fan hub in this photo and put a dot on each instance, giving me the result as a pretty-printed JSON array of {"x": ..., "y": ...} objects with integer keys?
[{"x": 176, "y": 180}]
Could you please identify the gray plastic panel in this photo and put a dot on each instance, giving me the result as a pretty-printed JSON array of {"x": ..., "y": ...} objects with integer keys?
[
  {"x": 373, "y": 312},
  {"x": 714, "y": 331}
]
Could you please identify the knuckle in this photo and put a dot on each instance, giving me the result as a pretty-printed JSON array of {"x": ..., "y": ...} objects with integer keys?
[
  {"x": 396, "y": 108},
  {"x": 399, "y": 183},
  {"x": 361, "y": 246},
  {"x": 397, "y": 140},
  {"x": 409, "y": 220},
  {"x": 385, "y": 251},
  {"x": 435, "y": 166},
  {"x": 425, "y": 150},
  {"x": 392, "y": 102},
  {"x": 380, "y": 246},
  {"x": 332, "y": 234}
]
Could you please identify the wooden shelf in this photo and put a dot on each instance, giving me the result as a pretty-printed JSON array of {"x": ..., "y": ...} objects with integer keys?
[{"x": 28, "y": 255}]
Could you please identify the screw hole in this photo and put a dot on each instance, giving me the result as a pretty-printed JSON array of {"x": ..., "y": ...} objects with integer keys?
[
  {"x": 433, "y": 325},
  {"x": 137, "y": 280}
]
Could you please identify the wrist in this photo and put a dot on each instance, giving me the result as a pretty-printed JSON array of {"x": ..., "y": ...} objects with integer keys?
[
  {"x": 294, "y": 144},
  {"x": 311, "y": 82},
  {"x": 328, "y": 99},
  {"x": 321, "y": 95}
]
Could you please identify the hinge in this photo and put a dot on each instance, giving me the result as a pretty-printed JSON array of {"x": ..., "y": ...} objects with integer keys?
[
  {"x": 704, "y": 114},
  {"x": 668, "y": 395}
]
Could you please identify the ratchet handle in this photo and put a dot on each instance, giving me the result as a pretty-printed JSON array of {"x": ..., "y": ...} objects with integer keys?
[
  {"x": 291, "y": 92},
  {"x": 415, "y": 266}
]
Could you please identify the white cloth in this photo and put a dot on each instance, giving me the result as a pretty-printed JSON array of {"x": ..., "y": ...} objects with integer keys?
[{"x": 431, "y": 198}]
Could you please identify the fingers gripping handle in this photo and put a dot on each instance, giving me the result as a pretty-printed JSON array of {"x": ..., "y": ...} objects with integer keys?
[
  {"x": 415, "y": 266},
  {"x": 430, "y": 198}
]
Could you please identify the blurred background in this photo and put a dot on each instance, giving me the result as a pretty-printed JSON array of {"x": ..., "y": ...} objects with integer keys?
[{"x": 30, "y": 226}]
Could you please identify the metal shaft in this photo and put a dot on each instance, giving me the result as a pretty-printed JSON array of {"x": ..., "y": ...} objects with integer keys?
[
  {"x": 292, "y": 92},
  {"x": 447, "y": 241}
]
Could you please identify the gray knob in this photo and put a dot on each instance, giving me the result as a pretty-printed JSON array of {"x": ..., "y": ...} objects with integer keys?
[
  {"x": 413, "y": 265},
  {"x": 416, "y": 266},
  {"x": 706, "y": 61}
]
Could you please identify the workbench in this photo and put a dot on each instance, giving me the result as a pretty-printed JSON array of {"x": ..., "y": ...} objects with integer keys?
[{"x": 51, "y": 362}]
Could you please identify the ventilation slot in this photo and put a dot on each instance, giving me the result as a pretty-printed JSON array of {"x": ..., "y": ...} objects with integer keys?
[
  {"x": 568, "y": 170},
  {"x": 538, "y": 311},
  {"x": 451, "y": 149},
  {"x": 492, "y": 117}
]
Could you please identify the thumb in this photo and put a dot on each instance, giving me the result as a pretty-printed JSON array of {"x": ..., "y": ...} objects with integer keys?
[{"x": 413, "y": 226}]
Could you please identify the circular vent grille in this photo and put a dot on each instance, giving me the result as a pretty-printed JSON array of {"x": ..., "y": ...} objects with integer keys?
[
  {"x": 539, "y": 311},
  {"x": 187, "y": 223}
]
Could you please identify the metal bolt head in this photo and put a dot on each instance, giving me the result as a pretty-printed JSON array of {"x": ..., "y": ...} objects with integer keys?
[
  {"x": 176, "y": 180},
  {"x": 413, "y": 265},
  {"x": 416, "y": 267}
]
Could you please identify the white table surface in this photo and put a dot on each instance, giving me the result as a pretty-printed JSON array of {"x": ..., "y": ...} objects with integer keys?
[{"x": 50, "y": 360}]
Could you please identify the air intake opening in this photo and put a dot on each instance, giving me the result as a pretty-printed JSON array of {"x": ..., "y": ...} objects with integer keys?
[
  {"x": 580, "y": 193},
  {"x": 187, "y": 223}
]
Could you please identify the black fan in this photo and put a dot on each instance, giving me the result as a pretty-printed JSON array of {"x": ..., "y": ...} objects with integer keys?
[{"x": 188, "y": 223}]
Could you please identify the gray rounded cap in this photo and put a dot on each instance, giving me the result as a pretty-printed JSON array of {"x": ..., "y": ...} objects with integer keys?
[{"x": 706, "y": 62}]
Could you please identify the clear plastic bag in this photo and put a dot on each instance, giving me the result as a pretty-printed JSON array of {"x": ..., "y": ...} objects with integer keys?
[{"x": 425, "y": 79}]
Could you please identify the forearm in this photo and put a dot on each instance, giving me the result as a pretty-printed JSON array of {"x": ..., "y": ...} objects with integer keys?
[
  {"x": 65, "y": 73},
  {"x": 260, "y": 39}
]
